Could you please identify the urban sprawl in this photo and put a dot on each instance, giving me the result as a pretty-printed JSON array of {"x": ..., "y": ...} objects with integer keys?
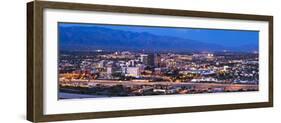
[{"x": 130, "y": 73}]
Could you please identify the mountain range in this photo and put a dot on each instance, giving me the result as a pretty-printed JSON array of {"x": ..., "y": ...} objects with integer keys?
[{"x": 93, "y": 37}]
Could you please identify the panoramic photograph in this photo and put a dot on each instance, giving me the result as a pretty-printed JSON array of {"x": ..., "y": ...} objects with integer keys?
[{"x": 104, "y": 60}]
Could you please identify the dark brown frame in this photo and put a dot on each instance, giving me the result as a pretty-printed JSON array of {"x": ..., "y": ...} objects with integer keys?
[{"x": 35, "y": 60}]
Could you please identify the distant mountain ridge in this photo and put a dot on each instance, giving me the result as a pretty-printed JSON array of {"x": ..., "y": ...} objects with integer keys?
[{"x": 91, "y": 38}]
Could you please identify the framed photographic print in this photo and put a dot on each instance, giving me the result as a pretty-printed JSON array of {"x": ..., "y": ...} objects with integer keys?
[{"x": 96, "y": 61}]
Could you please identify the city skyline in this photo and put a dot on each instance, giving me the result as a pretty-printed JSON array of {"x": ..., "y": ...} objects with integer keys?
[{"x": 125, "y": 61}]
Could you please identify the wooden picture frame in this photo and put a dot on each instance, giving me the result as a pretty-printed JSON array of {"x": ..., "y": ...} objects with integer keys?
[{"x": 35, "y": 62}]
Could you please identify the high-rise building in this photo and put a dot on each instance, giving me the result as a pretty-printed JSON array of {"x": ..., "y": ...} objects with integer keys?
[
  {"x": 144, "y": 58},
  {"x": 157, "y": 60},
  {"x": 150, "y": 59}
]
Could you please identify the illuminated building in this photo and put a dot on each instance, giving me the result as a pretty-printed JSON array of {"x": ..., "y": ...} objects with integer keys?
[{"x": 132, "y": 71}]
